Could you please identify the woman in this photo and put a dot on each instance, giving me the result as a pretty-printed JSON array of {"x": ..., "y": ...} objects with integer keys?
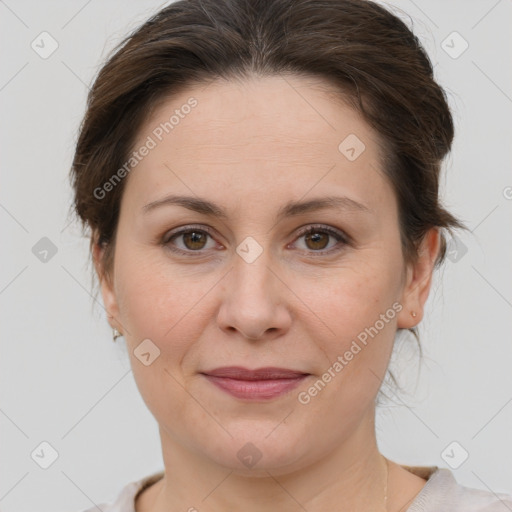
[{"x": 261, "y": 183}]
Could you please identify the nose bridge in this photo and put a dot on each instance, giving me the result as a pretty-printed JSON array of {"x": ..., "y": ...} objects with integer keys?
[
  {"x": 251, "y": 273},
  {"x": 253, "y": 302}
]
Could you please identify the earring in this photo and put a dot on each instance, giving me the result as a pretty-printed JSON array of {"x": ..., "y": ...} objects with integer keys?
[
  {"x": 413, "y": 313},
  {"x": 115, "y": 334}
]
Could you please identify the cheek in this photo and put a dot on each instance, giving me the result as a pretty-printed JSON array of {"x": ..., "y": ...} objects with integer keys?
[
  {"x": 162, "y": 302},
  {"x": 351, "y": 298},
  {"x": 149, "y": 303},
  {"x": 164, "y": 306},
  {"x": 358, "y": 325},
  {"x": 357, "y": 308}
]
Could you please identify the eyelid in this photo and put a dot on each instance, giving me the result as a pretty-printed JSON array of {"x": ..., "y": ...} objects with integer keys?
[
  {"x": 323, "y": 227},
  {"x": 184, "y": 229}
]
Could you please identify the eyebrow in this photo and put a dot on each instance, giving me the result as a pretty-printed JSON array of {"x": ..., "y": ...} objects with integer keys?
[{"x": 291, "y": 209}]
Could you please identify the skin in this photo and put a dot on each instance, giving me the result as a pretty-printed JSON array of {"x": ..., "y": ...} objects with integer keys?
[{"x": 251, "y": 146}]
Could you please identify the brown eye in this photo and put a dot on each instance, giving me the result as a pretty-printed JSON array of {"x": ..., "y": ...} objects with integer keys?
[
  {"x": 322, "y": 240},
  {"x": 317, "y": 240},
  {"x": 194, "y": 240},
  {"x": 188, "y": 241}
]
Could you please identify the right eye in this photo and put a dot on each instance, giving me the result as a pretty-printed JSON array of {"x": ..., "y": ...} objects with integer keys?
[{"x": 192, "y": 240}]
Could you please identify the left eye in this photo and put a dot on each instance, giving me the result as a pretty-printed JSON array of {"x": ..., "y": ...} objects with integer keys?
[{"x": 316, "y": 239}]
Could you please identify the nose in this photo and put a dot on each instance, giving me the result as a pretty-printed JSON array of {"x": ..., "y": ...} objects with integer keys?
[{"x": 254, "y": 300}]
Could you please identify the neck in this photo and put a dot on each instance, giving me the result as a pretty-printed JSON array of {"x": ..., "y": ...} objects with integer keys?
[{"x": 353, "y": 476}]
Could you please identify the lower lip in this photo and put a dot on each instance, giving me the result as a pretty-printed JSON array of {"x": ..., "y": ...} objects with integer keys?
[{"x": 256, "y": 389}]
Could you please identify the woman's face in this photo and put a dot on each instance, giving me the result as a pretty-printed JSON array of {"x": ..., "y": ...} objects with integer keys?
[{"x": 237, "y": 283}]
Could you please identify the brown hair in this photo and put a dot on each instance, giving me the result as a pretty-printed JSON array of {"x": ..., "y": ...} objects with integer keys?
[{"x": 367, "y": 52}]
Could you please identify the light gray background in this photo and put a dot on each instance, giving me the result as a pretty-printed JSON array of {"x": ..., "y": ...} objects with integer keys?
[{"x": 66, "y": 383}]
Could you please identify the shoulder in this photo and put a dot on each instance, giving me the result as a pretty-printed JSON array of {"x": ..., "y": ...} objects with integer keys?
[
  {"x": 125, "y": 500},
  {"x": 443, "y": 492}
]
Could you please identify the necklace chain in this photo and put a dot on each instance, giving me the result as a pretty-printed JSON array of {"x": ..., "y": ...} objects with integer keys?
[{"x": 386, "y": 484}]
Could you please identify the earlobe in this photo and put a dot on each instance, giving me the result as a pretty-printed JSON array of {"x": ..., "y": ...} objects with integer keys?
[
  {"x": 110, "y": 302},
  {"x": 418, "y": 281},
  {"x": 106, "y": 285}
]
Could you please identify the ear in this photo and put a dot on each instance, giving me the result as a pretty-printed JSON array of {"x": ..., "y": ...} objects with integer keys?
[
  {"x": 418, "y": 281},
  {"x": 107, "y": 285}
]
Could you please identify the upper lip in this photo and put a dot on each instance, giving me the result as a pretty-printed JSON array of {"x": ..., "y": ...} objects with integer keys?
[{"x": 268, "y": 373}]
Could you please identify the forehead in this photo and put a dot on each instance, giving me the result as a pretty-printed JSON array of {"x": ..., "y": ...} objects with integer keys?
[
  {"x": 280, "y": 133},
  {"x": 293, "y": 108}
]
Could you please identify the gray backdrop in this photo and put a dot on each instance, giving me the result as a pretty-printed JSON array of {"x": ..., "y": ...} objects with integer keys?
[{"x": 66, "y": 385}]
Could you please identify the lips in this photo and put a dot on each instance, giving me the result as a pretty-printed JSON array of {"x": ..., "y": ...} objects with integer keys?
[
  {"x": 269, "y": 373},
  {"x": 259, "y": 384}
]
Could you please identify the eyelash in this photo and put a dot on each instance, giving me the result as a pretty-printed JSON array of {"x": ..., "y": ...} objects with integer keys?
[{"x": 339, "y": 236}]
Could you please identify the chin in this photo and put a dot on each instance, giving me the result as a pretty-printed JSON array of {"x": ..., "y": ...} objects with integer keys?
[{"x": 257, "y": 453}]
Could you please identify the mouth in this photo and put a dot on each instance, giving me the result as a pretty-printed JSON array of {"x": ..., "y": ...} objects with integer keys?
[{"x": 259, "y": 384}]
